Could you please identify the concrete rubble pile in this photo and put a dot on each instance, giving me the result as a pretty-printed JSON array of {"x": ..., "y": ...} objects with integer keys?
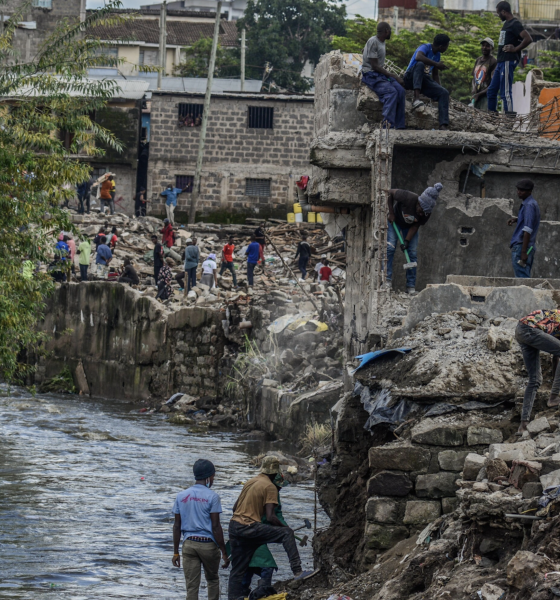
[{"x": 276, "y": 283}]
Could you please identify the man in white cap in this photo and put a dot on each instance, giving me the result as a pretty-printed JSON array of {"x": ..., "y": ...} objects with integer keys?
[
  {"x": 482, "y": 74},
  {"x": 258, "y": 497},
  {"x": 409, "y": 211},
  {"x": 319, "y": 266}
]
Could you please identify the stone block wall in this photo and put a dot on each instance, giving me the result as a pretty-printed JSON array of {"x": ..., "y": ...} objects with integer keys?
[
  {"x": 233, "y": 152},
  {"x": 412, "y": 482},
  {"x": 129, "y": 345}
]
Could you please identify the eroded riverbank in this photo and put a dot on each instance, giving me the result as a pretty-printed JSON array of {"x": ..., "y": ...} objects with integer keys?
[{"x": 86, "y": 490}]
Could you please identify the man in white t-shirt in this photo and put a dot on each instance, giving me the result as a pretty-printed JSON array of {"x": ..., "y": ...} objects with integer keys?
[
  {"x": 197, "y": 518},
  {"x": 209, "y": 272}
]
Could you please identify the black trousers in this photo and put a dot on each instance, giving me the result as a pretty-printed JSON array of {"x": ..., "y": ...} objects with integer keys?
[{"x": 245, "y": 539}]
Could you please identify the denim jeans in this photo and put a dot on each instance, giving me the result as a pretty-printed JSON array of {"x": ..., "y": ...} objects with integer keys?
[
  {"x": 532, "y": 342},
  {"x": 191, "y": 278},
  {"x": 302, "y": 266},
  {"x": 502, "y": 82},
  {"x": 250, "y": 272},
  {"x": 83, "y": 272},
  {"x": 265, "y": 574},
  {"x": 392, "y": 96},
  {"x": 83, "y": 201},
  {"x": 519, "y": 271},
  {"x": 229, "y": 266},
  {"x": 392, "y": 244},
  {"x": 417, "y": 79},
  {"x": 245, "y": 539}
]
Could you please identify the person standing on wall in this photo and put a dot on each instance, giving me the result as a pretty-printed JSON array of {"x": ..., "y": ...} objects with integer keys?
[
  {"x": 513, "y": 38},
  {"x": 482, "y": 74},
  {"x": 427, "y": 57},
  {"x": 197, "y": 519},
  {"x": 105, "y": 195},
  {"x": 388, "y": 87},
  {"x": 409, "y": 212},
  {"x": 171, "y": 194},
  {"x": 524, "y": 238}
]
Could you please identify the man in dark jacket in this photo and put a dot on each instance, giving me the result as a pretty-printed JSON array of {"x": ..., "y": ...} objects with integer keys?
[
  {"x": 84, "y": 194},
  {"x": 158, "y": 256},
  {"x": 304, "y": 253}
]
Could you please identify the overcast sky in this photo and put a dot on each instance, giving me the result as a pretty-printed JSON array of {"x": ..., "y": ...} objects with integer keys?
[{"x": 366, "y": 8}]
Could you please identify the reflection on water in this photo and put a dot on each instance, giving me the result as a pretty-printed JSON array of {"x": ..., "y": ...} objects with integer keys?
[{"x": 86, "y": 490}]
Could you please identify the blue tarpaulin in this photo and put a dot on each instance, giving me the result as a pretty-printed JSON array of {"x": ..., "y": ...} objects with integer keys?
[{"x": 371, "y": 356}]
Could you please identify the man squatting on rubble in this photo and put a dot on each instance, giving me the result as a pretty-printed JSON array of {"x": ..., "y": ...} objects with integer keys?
[
  {"x": 524, "y": 238},
  {"x": 538, "y": 331},
  {"x": 388, "y": 87},
  {"x": 258, "y": 497},
  {"x": 428, "y": 56},
  {"x": 197, "y": 518},
  {"x": 409, "y": 211}
]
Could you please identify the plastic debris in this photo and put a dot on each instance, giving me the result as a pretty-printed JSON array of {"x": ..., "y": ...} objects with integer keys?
[{"x": 371, "y": 356}]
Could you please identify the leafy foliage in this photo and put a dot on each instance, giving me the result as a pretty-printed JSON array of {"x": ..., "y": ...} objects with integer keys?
[
  {"x": 288, "y": 34},
  {"x": 197, "y": 59},
  {"x": 39, "y": 99},
  {"x": 63, "y": 383},
  {"x": 466, "y": 33}
]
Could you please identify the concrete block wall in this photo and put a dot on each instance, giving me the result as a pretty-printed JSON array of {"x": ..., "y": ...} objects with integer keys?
[
  {"x": 412, "y": 483},
  {"x": 233, "y": 152}
]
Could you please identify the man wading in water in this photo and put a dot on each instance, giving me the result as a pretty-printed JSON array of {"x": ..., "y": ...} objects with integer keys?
[{"x": 197, "y": 517}]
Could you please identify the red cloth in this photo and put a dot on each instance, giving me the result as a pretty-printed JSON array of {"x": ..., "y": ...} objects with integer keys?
[
  {"x": 303, "y": 181},
  {"x": 228, "y": 252},
  {"x": 326, "y": 273},
  {"x": 168, "y": 237},
  {"x": 113, "y": 240}
]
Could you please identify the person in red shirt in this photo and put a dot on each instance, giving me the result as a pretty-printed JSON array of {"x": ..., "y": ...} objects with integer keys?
[
  {"x": 227, "y": 259},
  {"x": 325, "y": 273},
  {"x": 168, "y": 237},
  {"x": 114, "y": 238}
]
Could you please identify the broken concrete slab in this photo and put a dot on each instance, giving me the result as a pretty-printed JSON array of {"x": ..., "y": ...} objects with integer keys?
[
  {"x": 508, "y": 452},
  {"x": 421, "y": 512},
  {"x": 550, "y": 480},
  {"x": 524, "y": 566},
  {"x": 538, "y": 425},
  {"x": 473, "y": 464},
  {"x": 436, "y": 485},
  {"x": 483, "y": 436},
  {"x": 400, "y": 457},
  {"x": 436, "y": 433}
]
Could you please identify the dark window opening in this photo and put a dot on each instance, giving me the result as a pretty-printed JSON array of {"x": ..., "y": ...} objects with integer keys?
[
  {"x": 260, "y": 117},
  {"x": 478, "y": 298},
  {"x": 190, "y": 115},
  {"x": 464, "y": 242},
  {"x": 467, "y": 230},
  {"x": 257, "y": 187},
  {"x": 67, "y": 138},
  {"x": 184, "y": 181},
  {"x": 98, "y": 171}
]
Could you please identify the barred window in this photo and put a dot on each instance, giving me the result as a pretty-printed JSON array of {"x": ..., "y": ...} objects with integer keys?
[
  {"x": 184, "y": 181},
  {"x": 190, "y": 115},
  {"x": 260, "y": 117},
  {"x": 257, "y": 187},
  {"x": 42, "y": 4}
]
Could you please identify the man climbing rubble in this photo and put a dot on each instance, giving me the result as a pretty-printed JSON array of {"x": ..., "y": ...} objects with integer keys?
[
  {"x": 409, "y": 212},
  {"x": 427, "y": 58},
  {"x": 538, "y": 331},
  {"x": 524, "y": 238},
  {"x": 258, "y": 497},
  {"x": 388, "y": 86}
]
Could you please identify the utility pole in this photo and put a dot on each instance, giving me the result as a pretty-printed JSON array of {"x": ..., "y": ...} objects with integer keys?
[
  {"x": 243, "y": 33},
  {"x": 396, "y": 19},
  {"x": 162, "y": 42},
  {"x": 205, "y": 110}
]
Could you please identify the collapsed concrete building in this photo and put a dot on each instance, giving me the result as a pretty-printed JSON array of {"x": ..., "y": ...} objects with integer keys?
[{"x": 478, "y": 162}]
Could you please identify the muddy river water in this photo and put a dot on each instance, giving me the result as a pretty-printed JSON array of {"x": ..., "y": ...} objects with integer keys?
[{"x": 86, "y": 491}]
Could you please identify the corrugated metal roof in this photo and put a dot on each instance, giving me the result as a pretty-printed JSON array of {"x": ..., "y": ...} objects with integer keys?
[{"x": 179, "y": 33}]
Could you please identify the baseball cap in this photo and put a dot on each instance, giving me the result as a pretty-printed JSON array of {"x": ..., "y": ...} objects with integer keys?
[{"x": 488, "y": 40}]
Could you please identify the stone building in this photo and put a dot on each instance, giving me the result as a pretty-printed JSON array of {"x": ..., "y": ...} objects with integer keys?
[
  {"x": 257, "y": 147},
  {"x": 478, "y": 162}
]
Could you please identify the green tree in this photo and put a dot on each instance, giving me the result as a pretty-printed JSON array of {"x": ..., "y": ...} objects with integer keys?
[
  {"x": 197, "y": 58},
  {"x": 287, "y": 34},
  {"x": 548, "y": 63},
  {"x": 466, "y": 33},
  {"x": 38, "y": 172}
]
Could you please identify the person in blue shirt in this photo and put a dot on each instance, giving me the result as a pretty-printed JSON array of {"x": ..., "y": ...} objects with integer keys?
[
  {"x": 253, "y": 253},
  {"x": 427, "y": 58},
  {"x": 524, "y": 238},
  {"x": 197, "y": 519},
  {"x": 103, "y": 258},
  {"x": 171, "y": 194}
]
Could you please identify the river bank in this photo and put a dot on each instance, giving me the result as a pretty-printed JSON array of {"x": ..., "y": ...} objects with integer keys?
[{"x": 87, "y": 490}]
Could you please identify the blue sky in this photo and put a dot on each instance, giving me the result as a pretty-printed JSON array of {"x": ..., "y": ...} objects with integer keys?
[{"x": 365, "y": 8}]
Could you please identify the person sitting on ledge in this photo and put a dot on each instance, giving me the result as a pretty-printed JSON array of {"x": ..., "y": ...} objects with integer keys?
[
  {"x": 427, "y": 58},
  {"x": 388, "y": 87}
]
